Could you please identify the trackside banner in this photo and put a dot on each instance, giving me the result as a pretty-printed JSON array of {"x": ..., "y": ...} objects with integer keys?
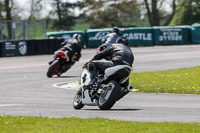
[
  {"x": 13, "y": 48},
  {"x": 139, "y": 36},
  {"x": 94, "y": 37},
  {"x": 171, "y": 35},
  {"x": 195, "y": 33},
  {"x": 29, "y": 47}
]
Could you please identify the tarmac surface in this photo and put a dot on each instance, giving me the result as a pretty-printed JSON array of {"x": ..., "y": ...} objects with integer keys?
[{"x": 25, "y": 89}]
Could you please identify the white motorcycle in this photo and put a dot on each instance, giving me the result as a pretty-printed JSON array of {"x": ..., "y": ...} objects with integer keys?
[{"x": 107, "y": 89}]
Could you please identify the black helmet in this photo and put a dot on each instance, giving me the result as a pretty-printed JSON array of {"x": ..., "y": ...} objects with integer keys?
[
  {"x": 77, "y": 37},
  {"x": 123, "y": 40},
  {"x": 116, "y": 30}
]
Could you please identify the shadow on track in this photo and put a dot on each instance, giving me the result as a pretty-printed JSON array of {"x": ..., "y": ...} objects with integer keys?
[
  {"x": 114, "y": 109},
  {"x": 68, "y": 77}
]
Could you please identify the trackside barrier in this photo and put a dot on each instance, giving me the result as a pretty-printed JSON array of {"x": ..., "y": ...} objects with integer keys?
[
  {"x": 171, "y": 35},
  {"x": 29, "y": 47},
  {"x": 65, "y": 35},
  {"x": 13, "y": 48},
  {"x": 94, "y": 37},
  {"x": 139, "y": 36},
  {"x": 195, "y": 33},
  {"x": 167, "y": 35}
]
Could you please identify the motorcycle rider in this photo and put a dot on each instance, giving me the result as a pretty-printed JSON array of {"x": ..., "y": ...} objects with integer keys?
[
  {"x": 71, "y": 48},
  {"x": 110, "y": 38},
  {"x": 119, "y": 53}
]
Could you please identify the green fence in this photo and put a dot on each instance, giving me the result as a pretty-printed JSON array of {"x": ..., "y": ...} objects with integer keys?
[
  {"x": 168, "y": 35},
  {"x": 65, "y": 35},
  {"x": 195, "y": 33},
  {"x": 139, "y": 36},
  {"x": 94, "y": 37},
  {"x": 171, "y": 35}
]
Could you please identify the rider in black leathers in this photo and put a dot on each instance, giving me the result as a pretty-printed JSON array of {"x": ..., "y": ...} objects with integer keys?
[
  {"x": 119, "y": 54},
  {"x": 110, "y": 38},
  {"x": 71, "y": 48}
]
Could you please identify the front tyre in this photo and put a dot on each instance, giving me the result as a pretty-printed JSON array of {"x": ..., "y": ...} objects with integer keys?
[
  {"x": 108, "y": 98},
  {"x": 77, "y": 103},
  {"x": 53, "y": 68}
]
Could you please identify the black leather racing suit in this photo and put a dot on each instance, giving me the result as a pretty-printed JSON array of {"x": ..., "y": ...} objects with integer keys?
[
  {"x": 119, "y": 54},
  {"x": 72, "y": 47}
]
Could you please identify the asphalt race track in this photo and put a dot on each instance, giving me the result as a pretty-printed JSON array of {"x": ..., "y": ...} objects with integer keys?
[{"x": 26, "y": 91}]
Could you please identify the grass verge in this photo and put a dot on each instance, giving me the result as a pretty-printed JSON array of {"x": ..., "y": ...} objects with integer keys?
[
  {"x": 10, "y": 124},
  {"x": 173, "y": 81},
  {"x": 181, "y": 81}
]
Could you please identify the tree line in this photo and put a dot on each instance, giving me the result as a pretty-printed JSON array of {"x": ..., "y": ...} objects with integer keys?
[{"x": 104, "y": 13}]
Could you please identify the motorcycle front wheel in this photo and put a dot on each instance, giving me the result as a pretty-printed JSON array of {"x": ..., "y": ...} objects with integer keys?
[
  {"x": 53, "y": 68},
  {"x": 108, "y": 98},
  {"x": 77, "y": 103}
]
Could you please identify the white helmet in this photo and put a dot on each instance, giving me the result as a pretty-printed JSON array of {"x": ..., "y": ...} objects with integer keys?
[{"x": 77, "y": 37}]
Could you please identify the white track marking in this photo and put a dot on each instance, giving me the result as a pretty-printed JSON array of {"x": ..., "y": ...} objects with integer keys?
[
  {"x": 7, "y": 105},
  {"x": 70, "y": 86},
  {"x": 74, "y": 86},
  {"x": 22, "y": 66}
]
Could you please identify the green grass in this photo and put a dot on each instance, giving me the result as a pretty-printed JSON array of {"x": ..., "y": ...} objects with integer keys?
[
  {"x": 171, "y": 81},
  {"x": 36, "y": 30},
  {"x": 19, "y": 124},
  {"x": 183, "y": 81},
  {"x": 81, "y": 27}
]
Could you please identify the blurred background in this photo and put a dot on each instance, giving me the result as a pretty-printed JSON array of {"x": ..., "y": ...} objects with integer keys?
[{"x": 32, "y": 19}]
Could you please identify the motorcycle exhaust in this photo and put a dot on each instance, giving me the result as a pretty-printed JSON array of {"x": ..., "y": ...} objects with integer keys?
[
  {"x": 126, "y": 91},
  {"x": 130, "y": 88}
]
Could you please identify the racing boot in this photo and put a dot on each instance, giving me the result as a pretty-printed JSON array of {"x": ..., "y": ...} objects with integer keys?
[
  {"x": 50, "y": 62},
  {"x": 93, "y": 76}
]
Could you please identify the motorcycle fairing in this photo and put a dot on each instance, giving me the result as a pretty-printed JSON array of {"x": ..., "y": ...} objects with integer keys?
[
  {"x": 85, "y": 77},
  {"x": 112, "y": 70},
  {"x": 87, "y": 100}
]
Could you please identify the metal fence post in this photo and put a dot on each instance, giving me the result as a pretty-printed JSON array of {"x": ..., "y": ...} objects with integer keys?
[
  {"x": 45, "y": 28},
  {"x": 1, "y": 31},
  {"x": 27, "y": 30},
  {"x": 35, "y": 30},
  {"x": 24, "y": 30},
  {"x": 13, "y": 29}
]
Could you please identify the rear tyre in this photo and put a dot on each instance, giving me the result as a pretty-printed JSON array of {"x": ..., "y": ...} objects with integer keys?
[
  {"x": 109, "y": 97},
  {"x": 53, "y": 68},
  {"x": 77, "y": 103}
]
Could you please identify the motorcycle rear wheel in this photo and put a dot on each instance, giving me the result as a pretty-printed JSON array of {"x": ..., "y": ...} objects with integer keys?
[
  {"x": 53, "y": 68},
  {"x": 77, "y": 103},
  {"x": 109, "y": 97}
]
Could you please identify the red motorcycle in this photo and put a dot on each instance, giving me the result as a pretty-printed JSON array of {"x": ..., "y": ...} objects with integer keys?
[{"x": 60, "y": 64}]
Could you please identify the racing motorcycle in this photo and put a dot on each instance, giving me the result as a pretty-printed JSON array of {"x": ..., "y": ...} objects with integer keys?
[
  {"x": 60, "y": 64},
  {"x": 105, "y": 91}
]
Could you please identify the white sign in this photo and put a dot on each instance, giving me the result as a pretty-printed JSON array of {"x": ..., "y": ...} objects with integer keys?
[
  {"x": 9, "y": 46},
  {"x": 170, "y": 35},
  {"x": 138, "y": 36},
  {"x": 22, "y": 47},
  {"x": 99, "y": 35}
]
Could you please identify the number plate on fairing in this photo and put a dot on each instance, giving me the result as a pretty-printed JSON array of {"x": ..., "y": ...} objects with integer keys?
[{"x": 85, "y": 77}]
